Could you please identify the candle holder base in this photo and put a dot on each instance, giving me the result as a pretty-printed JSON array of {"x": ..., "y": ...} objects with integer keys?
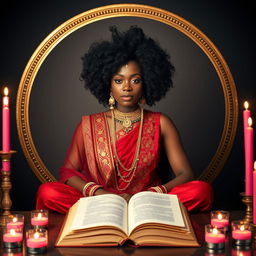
[
  {"x": 6, "y": 186},
  {"x": 40, "y": 250},
  {"x": 247, "y": 200},
  {"x": 215, "y": 246}
]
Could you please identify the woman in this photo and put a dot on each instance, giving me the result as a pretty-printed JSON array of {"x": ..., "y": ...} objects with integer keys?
[{"x": 118, "y": 151}]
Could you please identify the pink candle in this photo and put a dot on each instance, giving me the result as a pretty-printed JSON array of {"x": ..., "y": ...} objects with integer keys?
[
  {"x": 39, "y": 221},
  {"x": 214, "y": 238},
  {"x": 241, "y": 234},
  {"x": 12, "y": 236},
  {"x": 6, "y": 128},
  {"x": 246, "y": 115},
  {"x": 254, "y": 194},
  {"x": 6, "y": 122},
  {"x": 220, "y": 222},
  {"x": 37, "y": 242},
  {"x": 13, "y": 224},
  {"x": 249, "y": 158}
]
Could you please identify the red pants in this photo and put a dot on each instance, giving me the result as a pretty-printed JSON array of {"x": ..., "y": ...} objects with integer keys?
[{"x": 55, "y": 196}]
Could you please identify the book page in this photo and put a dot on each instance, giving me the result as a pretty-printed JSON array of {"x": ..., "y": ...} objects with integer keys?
[
  {"x": 102, "y": 210},
  {"x": 145, "y": 207}
]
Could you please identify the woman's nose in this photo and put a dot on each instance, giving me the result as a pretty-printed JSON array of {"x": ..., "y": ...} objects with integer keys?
[{"x": 127, "y": 86}]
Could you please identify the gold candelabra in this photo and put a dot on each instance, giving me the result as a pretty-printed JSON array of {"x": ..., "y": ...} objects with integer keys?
[
  {"x": 6, "y": 186},
  {"x": 247, "y": 200}
]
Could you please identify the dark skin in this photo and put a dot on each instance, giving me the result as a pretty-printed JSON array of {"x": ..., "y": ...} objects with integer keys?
[{"x": 126, "y": 88}]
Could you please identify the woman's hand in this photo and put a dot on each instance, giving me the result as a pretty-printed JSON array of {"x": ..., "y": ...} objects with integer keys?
[{"x": 126, "y": 196}]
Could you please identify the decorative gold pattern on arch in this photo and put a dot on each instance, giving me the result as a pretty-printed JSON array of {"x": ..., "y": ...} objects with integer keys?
[{"x": 129, "y": 10}]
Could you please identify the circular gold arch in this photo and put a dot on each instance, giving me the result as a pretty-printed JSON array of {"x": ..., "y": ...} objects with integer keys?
[{"x": 131, "y": 10}]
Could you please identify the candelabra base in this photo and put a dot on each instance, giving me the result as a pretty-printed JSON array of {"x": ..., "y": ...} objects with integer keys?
[{"x": 247, "y": 200}]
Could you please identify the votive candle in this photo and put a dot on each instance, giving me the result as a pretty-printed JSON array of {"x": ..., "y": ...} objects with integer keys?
[
  {"x": 215, "y": 237},
  {"x": 39, "y": 218},
  {"x": 36, "y": 241},
  {"x": 12, "y": 238},
  {"x": 15, "y": 221},
  {"x": 241, "y": 232},
  {"x": 220, "y": 219}
]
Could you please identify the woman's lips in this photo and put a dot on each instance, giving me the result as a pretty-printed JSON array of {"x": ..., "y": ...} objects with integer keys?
[{"x": 126, "y": 97}]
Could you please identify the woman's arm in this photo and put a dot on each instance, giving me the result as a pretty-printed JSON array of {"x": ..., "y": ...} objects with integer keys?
[{"x": 175, "y": 153}]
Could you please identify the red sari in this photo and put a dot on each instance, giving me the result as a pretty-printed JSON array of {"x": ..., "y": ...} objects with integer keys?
[{"x": 90, "y": 157}]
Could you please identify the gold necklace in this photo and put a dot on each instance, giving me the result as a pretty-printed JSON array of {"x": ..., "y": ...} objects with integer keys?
[
  {"x": 132, "y": 169},
  {"x": 127, "y": 119}
]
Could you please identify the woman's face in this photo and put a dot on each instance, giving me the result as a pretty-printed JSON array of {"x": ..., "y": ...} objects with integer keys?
[{"x": 126, "y": 86}]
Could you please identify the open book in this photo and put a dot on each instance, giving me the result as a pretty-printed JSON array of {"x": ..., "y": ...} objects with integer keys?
[{"x": 149, "y": 219}]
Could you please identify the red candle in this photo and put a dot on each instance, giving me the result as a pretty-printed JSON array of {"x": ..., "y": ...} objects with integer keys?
[
  {"x": 249, "y": 158},
  {"x": 12, "y": 237},
  {"x": 6, "y": 122},
  {"x": 254, "y": 194}
]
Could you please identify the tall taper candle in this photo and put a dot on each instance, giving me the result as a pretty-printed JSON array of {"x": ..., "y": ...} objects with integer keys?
[
  {"x": 6, "y": 128},
  {"x": 249, "y": 158},
  {"x": 254, "y": 194}
]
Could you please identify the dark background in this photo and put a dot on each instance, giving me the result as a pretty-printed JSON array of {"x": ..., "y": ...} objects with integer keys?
[{"x": 228, "y": 25}]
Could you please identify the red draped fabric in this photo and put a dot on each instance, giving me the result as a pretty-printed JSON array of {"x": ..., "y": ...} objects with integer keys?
[{"x": 90, "y": 157}]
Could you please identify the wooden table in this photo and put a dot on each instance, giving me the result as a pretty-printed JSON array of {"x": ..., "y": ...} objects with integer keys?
[{"x": 198, "y": 221}]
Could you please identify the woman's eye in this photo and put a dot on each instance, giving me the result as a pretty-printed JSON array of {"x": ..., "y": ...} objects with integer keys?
[
  {"x": 136, "y": 80},
  {"x": 118, "y": 81}
]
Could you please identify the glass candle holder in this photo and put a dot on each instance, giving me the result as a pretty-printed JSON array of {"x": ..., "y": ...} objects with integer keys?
[
  {"x": 12, "y": 237},
  {"x": 220, "y": 219},
  {"x": 215, "y": 237},
  {"x": 241, "y": 233},
  {"x": 37, "y": 240},
  {"x": 15, "y": 221},
  {"x": 39, "y": 218}
]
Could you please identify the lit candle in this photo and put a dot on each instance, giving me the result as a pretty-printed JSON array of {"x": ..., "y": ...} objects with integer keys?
[
  {"x": 37, "y": 241},
  {"x": 12, "y": 238},
  {"x": 6, "y": 128},
  {"x": 241, "y": 233},
  {"x": 220, "y": 219},
  {"x": 39, "y": 218},
  {"x": 215, "y": 237},
  {"x": 249, "y": 157},
  {"x": 6, "y": 122},
  {"x": 254, "y": 194},
  {"x": 15, "y": 221},
  {"x": 246, "y": 115}
]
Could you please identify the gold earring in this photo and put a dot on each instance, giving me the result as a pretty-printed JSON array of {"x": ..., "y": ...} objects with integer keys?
[{"x": 111, "y": 102}]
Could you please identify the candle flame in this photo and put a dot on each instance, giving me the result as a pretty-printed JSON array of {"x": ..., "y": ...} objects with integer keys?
[
  {"x": 219, "y": 216},
  {"x": 39, "y": 216},
  {"x": 6, "y": 101},
  {"x": 246, "y": 105},
  {"x": 255, "y": 165},
  {"x": 36, "y": 235},
  {"x": 12, "y": 232},
  {"x": 6, "y": 91},
  {"x": 14, "y": 219},
  {"x": 249, "y": 121},
  {"x": 242, "y": 228},
  {"x": 215, "y": 231}
]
